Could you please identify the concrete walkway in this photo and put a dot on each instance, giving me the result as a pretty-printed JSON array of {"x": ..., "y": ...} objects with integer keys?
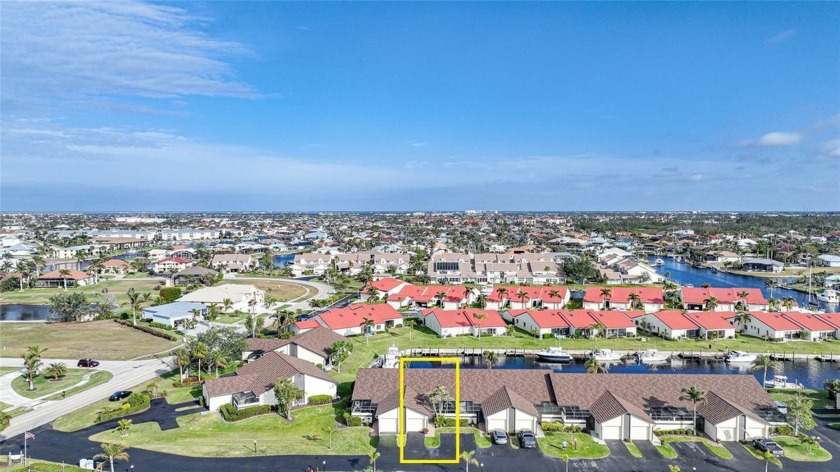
[{"x": 9, "y": 396}]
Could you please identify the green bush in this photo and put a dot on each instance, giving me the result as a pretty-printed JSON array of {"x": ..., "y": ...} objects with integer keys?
[
  {"x": 146, "y": 329},
  {"x": 548, "y": 336},
  {"x": 163, "y": 326},
  {"x": 230, "y": 413},
  {"x": 134, "y": 404},
  {"x": 450, "y": 422},
  {"x": 351, "y": 420},
  {"x": 784, "y": 430},
  {"x": 553, "y": 426},
  {"x": 170, "y": 294},
  {"x": 320, "y": 399},
  {"x": 42, "y": 467}
]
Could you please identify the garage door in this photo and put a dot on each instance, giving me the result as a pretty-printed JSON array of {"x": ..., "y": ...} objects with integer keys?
[
  {"x": 414, "y": 425},
  {"x": 496, "y": 423},
  {"x": 610, "y": 432},
  {"x": 638, "y": 431},
  {"x": 523, "y": 421},
  {"x": 388, "y": 425}
]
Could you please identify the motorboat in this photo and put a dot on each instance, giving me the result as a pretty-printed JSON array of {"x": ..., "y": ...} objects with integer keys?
[
  {"x": 658, "y": 262},
  {"x": 781, "y": 381},
  {"x": 605, "y": 355},
  {"x": 554, "y": 354},
  {"x": 828, "y": 296},
  {"x": 740, "y": 356},
  {"x": 652, "y": 356},
  {"x": 392, "y": 358}
]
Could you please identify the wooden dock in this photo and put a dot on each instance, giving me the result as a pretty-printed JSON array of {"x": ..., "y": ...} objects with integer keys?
[{"x": 709, "y": 356}]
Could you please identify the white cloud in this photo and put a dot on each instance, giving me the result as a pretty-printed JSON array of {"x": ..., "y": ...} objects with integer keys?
[
  {"x": 781, "y": 36},
  {"x": 91, "y": 49},
  {"x": 832, "y": 148},
  {"x": 776, "y": 138}
]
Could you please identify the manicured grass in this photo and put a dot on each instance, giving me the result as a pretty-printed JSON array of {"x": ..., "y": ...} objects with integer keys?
[
  {"x": 280, "y": 289},
  {"x": 207, "y": 435},
  {"x": 633, "y": 449},
  {"x": 98, "y": 378},
  {"x": 759, "y": 455},
  {"x": 716, "y": 449},
  {"x": 6, "y": 370},
  {"x": 586, "y": 447},
  {"x": 118, "y": 288},
  {"x": 796, "y": 451},
  {"x": 434, "y": 441},
  {"x": 45, "y": 386},
  {"x": 97, "y": 339},
  {"x": 667, "y": 451},
  {"x": 819, "y": 397},
  {"x": 36, "y": 465},
  {"x": 834, "y": 426}
]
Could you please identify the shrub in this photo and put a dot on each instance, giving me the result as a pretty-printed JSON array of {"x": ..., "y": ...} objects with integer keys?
[
  {"x": 572, "y": 428},
  {"x": 146, "y": 329},
  {"x": 163, "y": 326},
  {"x": 351, "y": 420},
  {"x": 187, "y": 382},
  {"x": 230, "y": 413},
  {"x": 784, "y": 430},
  {"x": 553, "y": 426},
  {"x": 170, "y": 294},
  {"x": 547, "y": 336},
  {"x": 320, "y": 399},
  {"x": 134, "y": 404},
  {"x": 450, "y": 422}
]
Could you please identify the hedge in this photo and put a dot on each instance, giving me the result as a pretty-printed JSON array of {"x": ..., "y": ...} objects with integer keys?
[
  {"x": 44, "y": 467},
  {"x": 136, "y": 403},
  {"x": 553, "y": 426},
  {"x": 352, "y": 420},
  {"x": 450, "y": 422},
  {"x": 230, "y": 413},
  {"x": 163, "y": 326},
  {"x": 149, "y": 330},
  {"x": 320, "y": 399}
]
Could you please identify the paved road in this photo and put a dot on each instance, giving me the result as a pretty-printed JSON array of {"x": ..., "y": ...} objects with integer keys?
[
  {"x": 126, "y": 374},
  {"x": 322, "y": 290}
]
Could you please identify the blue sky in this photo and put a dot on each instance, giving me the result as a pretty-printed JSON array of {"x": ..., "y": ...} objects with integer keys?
[{"x": 420, "y": 106}]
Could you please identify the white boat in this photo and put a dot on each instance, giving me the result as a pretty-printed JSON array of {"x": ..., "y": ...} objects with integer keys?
[
  {"x": 781, "y": 381},
  {"x": 658, "y": 262},
  {"x": 605, "y": 355},
  {"x": 392, "y": 358},
  {"x": 652, "y": 356},
  {"x": 554, "y": 354},
  {"x": 740, "y": 356},
  {"x": 828, "y": 296}
]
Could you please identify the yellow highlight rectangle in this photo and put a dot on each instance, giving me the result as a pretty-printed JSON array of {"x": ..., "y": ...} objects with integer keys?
[{"x": 401, "y": 433}]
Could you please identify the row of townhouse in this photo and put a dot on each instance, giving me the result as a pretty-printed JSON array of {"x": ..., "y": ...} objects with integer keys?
[
  {"x": 777, "y": 326},
  {"x": 351, "y": 320},
  {"x": 651, "y": 299},
  {"x": 611, "y": 406},
  {"x": 538, "y": 268},
  {"x": 382, "y": 264},
  {"x": 583, "y": 322}
]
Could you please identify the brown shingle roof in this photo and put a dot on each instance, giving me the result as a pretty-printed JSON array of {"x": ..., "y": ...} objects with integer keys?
[
  {"x": 610, "y": 405},
  {"x": 318, "y": 340},
  {"x": 259, "y": 376},
  {"x": 505, "y": 398}
]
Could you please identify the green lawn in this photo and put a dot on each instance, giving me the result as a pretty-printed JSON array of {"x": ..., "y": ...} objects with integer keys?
[
  {"x": 6, "y": 370},
  {"x": 98, "y": 378},
  {"x": 834, "y": 426},
  {"x": 118, "y": 288},
  {"x": 819, "y": 397},
  {"x": 716, "y": 449},
  {"x": 633, "y": 449},
  {"x": 759, "y": 455},
  {"x": 36, "y": 465},
  {"x": 434, "y": 441},
  {"x": 45, "y": 386},
  {"x": 207, "y": 435},
  {"x": 667, "y": 451},
  {"x": 796, "y": 451},
  {"x": 585, "y": 448}
]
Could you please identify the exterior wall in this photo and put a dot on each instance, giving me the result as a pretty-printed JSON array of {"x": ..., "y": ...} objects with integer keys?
[
  {"x": 214, "y": 403},
  {"x": 302, "y": 353},
  {"x": 754, "y": 429},
  {"x": 593, "y": 305},
  {"x": 658, "y": 327},
  {"x": 639, "y": 428},
  {"x": 523, "y": 420},
  {"x": 610, "y": 429},
  {"x": 433, "y": 324},
  {"x": 724, "y": 431},
  {"x": 388, "y": 422},
  {"x": 414, "y": 421},
  {"x": 496, "y": 421},
  {"x": 313, "y": 386}
]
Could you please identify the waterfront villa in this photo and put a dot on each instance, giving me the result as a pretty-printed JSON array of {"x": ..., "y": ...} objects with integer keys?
[
  {"x": 451, "y": 297},
  {"x": 620, "y": 298},
  {"x": 74, "y": 278},
  {"x": 234, "y": 262},
  {"x": 114, "y": 266},
  {"x": 348, "y": 321},
  {"x": 253, "y": 383},
  {"x": 170, "y": 265},
  {"x": 245, "y": 298},
  {"x": 448, "y": 323},
  {"x": 312, "y": 346},
  {"x": 551, "y": 297},
  {"x": 790, "y": 325},
  {"x": 580, "y": 322},
  {"x": 613, "y": 406},
  {"x": 384, "y": 287},
  {"x": 674, "y": 324},
  {"x": 728, "y": 299}
]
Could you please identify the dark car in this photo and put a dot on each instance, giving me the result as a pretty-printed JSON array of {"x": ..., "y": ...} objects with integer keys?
[
  {"x": 119, "y": 395},
  {"x": 527, "y": 440},
  {"x": 87, "y": 362},
  {"x": 498, "y": 436},
  {"x": 767, "y": 444}
]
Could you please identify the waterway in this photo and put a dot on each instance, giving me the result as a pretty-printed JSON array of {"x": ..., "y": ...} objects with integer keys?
[
  {"x": 24, "y": 312},
  {"x": 810, "y": 373},
  {"x": 684, "y": 274}
]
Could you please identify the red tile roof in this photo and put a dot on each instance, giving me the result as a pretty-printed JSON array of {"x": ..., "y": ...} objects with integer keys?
[
  {"x": 353, "y": 315},
  {"x": 775, "y": 321},
  {"x": 709, "y": 320},
  {"x": 622, "y": 294},
  {"x": 533, "y": 293},
  {"x": 385, "y": 285},
  {"x": 808, "y": 321},
  {"x": 674, "y": 319},
  {"x": 697, "y": 295},
  {"x": 831, "y": 318},
  {"x": 466, "y": 317},
  {"x": 427, "y": 293},
  {"x": 547, "y": 318},
  {"x": 612, "y": 319},
  {"x": 307, "y": 324},
  {"x": 74, "y": 275},
  {"x": 177, "y": 260}
]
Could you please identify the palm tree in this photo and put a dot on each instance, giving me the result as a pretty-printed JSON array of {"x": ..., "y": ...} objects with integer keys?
[
  {"x": 65, "y": 273},
  {"x": 510, "y": 330},
  {"x": 491, "y": 358},
  {"x": 809, "y": 442},
  {"x": 788, "y": 303},
  {"x": 436, "y": 396},
  {"x": 111, "y": 452},
  {"x": 594, "y": 366},
  {"x": 182, "y": 358},
  {"x": 469, "y": 458},
  {"x": 410, "y": 323},
  {"x": 764, "y": 362},
  {"x": 330, "y": 430},
  {"x": 218, "y": 360},
  {"x": 367, "y": 326},
  {"x": 373, "y": 294},
  {"x": 212, "y": 314},
  {"x": 522, "y": 296},
  {"x": 768, "y": 457},
  {"x": 743, "y": 318},
  {"x": 123, "y": 426},
  {"x": 440, "y": 296},
  {"x": 710, "y": 304},
  {"x": 566, "y": 459},
  {"x": 771, "y": 283},
  {"x": 743, "y": 294},
  {"x": 635, "y": 301},
  {"x": 481, "y": 301},
  {"x": 134, "y": 301},
  {"x": 199, "y": 353},
  {"x": 606, "y": 293},
  {"x": 479, "y": 317},
  {"x": 227, "y": 304},
  {"x": 373, "y": 456},
  {"x": 502, "y": 291},
  {"x": 695, "y": 396},
  {"x": 56, "y": 370}
]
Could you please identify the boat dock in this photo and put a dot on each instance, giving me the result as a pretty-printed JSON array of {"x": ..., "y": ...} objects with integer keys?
[{"x": 710, "y": 356}]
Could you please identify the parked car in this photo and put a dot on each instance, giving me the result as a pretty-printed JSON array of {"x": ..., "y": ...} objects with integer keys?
[
  {"x": 527, "y": 440},
  {"x": 767, "y": 444},
  {"x": 87, "y": 362},
  {"x": 498, "y": 437},
  {"x": 119, "y": 395}
]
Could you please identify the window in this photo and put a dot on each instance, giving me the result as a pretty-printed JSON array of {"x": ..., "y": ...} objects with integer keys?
[{"x": 446, "y": 266}]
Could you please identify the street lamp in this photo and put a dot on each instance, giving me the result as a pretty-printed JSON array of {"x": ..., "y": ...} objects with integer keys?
[
  {"x": 325, "y": 465},
  {"x": 255, "y": 447},
  {"x": 482, "y": 467}
]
